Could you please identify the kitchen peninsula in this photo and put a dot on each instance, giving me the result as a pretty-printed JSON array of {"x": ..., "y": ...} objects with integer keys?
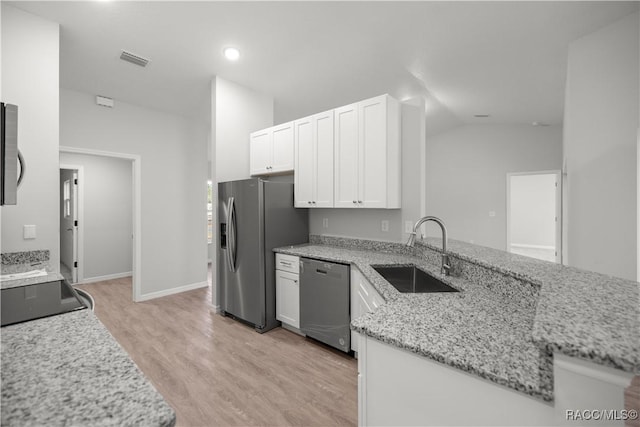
[{"x": 533, "y": 335}]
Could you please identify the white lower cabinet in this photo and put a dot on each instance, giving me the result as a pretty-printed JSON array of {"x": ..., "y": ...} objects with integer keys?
[
  {"x": 398, "y": 387},
  {"x": 364, "y": 299},
  {"x": 288, "y": 290}
]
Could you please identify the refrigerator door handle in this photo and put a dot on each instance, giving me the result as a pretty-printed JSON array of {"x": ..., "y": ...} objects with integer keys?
[{"x": 231, "y": 224}]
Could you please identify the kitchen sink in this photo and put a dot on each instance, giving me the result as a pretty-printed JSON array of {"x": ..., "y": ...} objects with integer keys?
[{"x": 410, "y": 279}]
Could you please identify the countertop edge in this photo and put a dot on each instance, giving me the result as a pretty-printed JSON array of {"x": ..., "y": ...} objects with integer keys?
[
  {"x": 542, "y": 392},
  {"x": 539, "y": 335}
]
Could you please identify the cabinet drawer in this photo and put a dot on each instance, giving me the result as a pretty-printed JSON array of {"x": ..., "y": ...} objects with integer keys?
[{"x": 288, "y": 263}]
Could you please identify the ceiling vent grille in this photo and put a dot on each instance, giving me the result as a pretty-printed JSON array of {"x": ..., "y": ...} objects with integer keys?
[{"x": 133, "y": 58}]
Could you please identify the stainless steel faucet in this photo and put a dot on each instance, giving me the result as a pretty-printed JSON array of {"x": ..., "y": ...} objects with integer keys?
[{"x": 446, "y": 267}]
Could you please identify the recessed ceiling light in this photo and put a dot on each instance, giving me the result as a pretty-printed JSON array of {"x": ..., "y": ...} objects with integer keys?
[{"x": 231, "y": 53}]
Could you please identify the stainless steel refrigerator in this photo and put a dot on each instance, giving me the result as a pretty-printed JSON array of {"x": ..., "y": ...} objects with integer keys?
[{"x": 254, "y": 216}]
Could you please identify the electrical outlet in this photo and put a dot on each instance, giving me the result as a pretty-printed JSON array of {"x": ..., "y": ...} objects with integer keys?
[
  {"x": 325, "y": 222},
  {"x": 408, "y": 226},
  {"x": 492, "y": 213},
  {"x": 29, "y": 232},
  {"x": 384, "y": 225}
]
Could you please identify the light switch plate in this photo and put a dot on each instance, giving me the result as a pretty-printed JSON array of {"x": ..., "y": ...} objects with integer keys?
[
  {"x": 325, "y": 222},
  {"x": 29, "y": 232}
]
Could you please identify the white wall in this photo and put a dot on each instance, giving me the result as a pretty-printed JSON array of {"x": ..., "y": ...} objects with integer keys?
[
  {"x": 236, "y": 111},
  {"x": 173, "y": 155},
  {"x": 107, "y": 214},
  {"x": 366, "y": 223},
  {"x": 30, "y": 52},
  {"x": 600, "y": 137},
  {"x": 466, "y": 175}
]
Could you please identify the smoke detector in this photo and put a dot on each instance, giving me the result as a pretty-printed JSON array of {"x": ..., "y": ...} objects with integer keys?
[{"x": 134, "y": 59}]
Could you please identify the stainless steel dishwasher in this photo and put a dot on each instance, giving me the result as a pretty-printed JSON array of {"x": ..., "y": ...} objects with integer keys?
[{"x": 324, "y": 302}]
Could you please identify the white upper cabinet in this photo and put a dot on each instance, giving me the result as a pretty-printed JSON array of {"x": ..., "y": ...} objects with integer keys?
[
  {"x": 314, "y": 161},
  {"x": 282, "y": 148},
  {"x": 346, "y": 156},
  {"x": 271, "y": 150},
  {"x": 260, "y": 152},
  {"x": 367, "y": 154}
]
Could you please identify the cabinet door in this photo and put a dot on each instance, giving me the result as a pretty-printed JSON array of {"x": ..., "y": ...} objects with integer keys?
[
  {"x": 372, "y": 150},
  {"x": 304, "y": 168},
  {"x": 324, "y": 160},
  {"x": 260, "y": 152},
  {"x": 288, "y": 298},
  {"x": 355, "y": 306},
  {"x": 282, "y": 148},
  {"x": 346, "y": 156}
]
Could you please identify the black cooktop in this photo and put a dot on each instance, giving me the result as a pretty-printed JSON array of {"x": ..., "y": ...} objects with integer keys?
[{"x": 31, "y": 302}]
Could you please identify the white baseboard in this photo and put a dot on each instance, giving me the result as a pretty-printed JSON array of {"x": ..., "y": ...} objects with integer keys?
[
  {"x": 172, "y": 291},
  {"x": 103, "y": 278},
  {"x": 216, "y": 309},
  {"x": 527, "y": 246},
  {"x": 293, "y": 329}
]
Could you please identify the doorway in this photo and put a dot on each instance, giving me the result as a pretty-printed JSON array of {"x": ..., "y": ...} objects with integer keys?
[
  {"x": 69, "y": 222},
  {"x": 534, "y": 209},
  {"x": 134, "y": 212}
]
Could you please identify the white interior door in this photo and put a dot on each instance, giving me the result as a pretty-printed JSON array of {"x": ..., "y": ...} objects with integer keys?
[
  {"x": 74, "y": 226},
  {"x": 69, "y": 224},
  {"x": 534, "y": 215}
]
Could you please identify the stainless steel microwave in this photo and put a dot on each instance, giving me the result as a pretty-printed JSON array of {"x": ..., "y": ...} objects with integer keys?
[{"x": 11, "y": 173}]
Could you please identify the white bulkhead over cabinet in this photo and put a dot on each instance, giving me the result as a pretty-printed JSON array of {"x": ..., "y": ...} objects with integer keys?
[
  {"x": 367, "y": 154},
  {"x": 271, "y": 150},
  {"x": 314, "y": 161}
]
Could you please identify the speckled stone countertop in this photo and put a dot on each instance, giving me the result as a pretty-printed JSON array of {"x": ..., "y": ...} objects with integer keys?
[
  {"x": 19, "y": 262},
  {"x": 580, "y": 313},
  {"x": 51, "y": 275},
  {"x": 68, "y": 370},
  {"x": 506, "y": 337}
]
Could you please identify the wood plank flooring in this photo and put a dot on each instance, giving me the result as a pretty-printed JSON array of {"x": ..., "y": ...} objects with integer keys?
[{"x": 216, "y": 371}]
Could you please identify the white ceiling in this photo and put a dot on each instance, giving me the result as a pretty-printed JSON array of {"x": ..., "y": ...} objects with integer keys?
[{"x": 506, "y": 59}]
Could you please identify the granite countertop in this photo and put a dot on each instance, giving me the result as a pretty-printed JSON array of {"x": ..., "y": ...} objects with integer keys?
[
  {"x": 20, "y": 262},
  {"x": 493, "y": 335},
  {"x": 50, "y": 276},
  {"x": 68, "y": 370},
  {"x": 580, "y": 313}
]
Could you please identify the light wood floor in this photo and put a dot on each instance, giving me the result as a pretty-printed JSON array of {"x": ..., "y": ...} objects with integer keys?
[{"x": 216, "y": 371}]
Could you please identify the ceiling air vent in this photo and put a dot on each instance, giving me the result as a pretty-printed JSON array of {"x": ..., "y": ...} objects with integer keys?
[{"x": 133, "y": 58}]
